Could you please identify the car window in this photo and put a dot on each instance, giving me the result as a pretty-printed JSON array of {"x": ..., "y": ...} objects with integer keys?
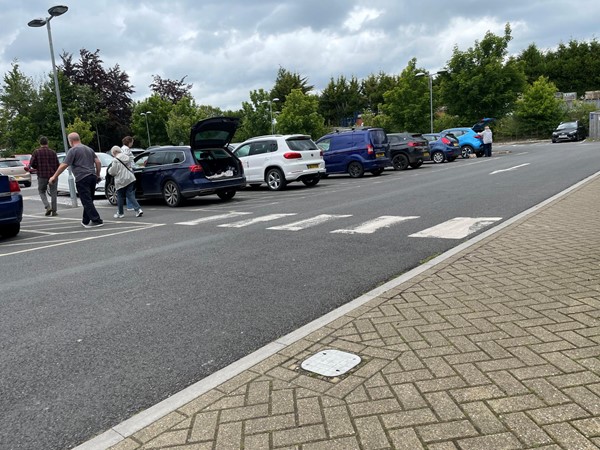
[
  {"x": 155, "y": 159},
  {"x": 13, "y": 163},
  {"x": 174, "y": 157},
  {"x": 141, "y": 161},
  {"x": 301, "y": 144},
  {"x": 242, "y": 151},
  {"x": 105, "y": 159},
  {"x": 259, "y": 148},
  {"x": 324, "y": 144},
  {"x": 211, "y": 154},
  {"x": 378, "y": 137},
  {"x": 562, "y": 126},
  {"x": 393, "y": 139}
]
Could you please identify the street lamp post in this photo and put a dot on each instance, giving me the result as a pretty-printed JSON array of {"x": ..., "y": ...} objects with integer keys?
[
  {"x": 56, "y": 11},
  {"x": 430, "y": 76},
  {"x": 270, "y": 102},
  {"x": 145, "y": 114}
]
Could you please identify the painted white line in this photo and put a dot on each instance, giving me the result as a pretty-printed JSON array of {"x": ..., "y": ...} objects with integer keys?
[
  {"x": 228, "y": 215},
  {"x": 372, "y": 226},
  {"x": 457, "y": 228},
  {"x": 509, "y": 169},
  {"x": 245, "y": 223},
  {"x": 303, "y": 224}
]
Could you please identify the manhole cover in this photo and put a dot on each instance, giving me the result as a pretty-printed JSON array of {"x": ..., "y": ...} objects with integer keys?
[{"x": 331, "y": 363}]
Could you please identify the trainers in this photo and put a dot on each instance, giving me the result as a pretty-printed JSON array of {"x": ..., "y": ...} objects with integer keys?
[
  {"x": 85, "y": 225},
  {"x": 119, "y": 216},
  {"x": 54, "y": 214},
  {"x": 95, "y": 224},
  {"x": 129, "y": 208},
  {"x": 48, "y": 211},
  {"x": 139, "y": 213}
]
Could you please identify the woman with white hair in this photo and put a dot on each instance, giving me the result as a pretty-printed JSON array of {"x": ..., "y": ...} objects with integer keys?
[{"x": 124, "y": 180}]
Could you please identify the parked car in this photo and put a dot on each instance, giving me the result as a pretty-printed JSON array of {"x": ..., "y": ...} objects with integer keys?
[
  {"x": 176, "y": 173},
  {"x": 442, "y": 147},
  {"x": 355, "y": 151},
  {"x": 469, "y": 140},
  {"x": 11, "y": 206},
  {"x": 16, "y": 169},
  {"x": 25, "y": 158},
  {"x": 281, "y": 159},
  {"x": 63, "y": 178},
  {"x": 569, "y": 131},
  {"x": 407, "y": 150}
]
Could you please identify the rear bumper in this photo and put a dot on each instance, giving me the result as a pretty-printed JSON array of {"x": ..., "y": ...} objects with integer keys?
[
  {"x": 205, "y": 187},
  {"x": 11, "y": 209}
]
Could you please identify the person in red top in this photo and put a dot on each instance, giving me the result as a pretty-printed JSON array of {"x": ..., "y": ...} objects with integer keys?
[{"x": 45, "y": 161}]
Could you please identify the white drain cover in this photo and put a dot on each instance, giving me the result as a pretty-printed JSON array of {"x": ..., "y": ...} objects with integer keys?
[{"x": 331, "y": 363}]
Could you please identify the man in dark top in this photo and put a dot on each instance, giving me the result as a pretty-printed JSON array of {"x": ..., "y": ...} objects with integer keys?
[
  {"x": 45, "y": 161},
  {"x": 85, "y": 166}
]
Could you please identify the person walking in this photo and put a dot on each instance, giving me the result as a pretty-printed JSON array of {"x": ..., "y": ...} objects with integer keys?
[
  {"x": 487, "y": 137},
  {"x": 124, "y": 180},
  {"x": 45, "y": 162},
  {"x": 86, "y": 169},
  {"x": 126, "y": 149}
]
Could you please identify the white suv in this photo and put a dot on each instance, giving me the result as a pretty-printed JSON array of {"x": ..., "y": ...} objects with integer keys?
[{"x": 281, "y": 159}]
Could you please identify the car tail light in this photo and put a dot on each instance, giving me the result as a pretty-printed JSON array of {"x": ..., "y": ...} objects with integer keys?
[
  {"x": 14, "y": 185},
  {"x": 445, "y": 140},
  {"x": 196, "y": 168},
  {"x": 292, "y": 155},
  {"x": 412, "y": 144},
  {"x": 478, "y": 136},
  {"x": 370, "y": 149}
]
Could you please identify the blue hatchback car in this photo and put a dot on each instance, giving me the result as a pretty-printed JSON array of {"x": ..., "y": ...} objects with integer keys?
[
  {"x": 442, "y": 147},
  {"x": 175, "y": 173},
  {"x": 355, "y": 151},
  {"x": 11, "y": 206},
  {"x": 469, "y": 140}
]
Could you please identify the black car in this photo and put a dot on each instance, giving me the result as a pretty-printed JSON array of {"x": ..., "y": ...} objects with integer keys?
[
  {"x": 175, "y": 173},
  {"x": 407, "y": 149},
  {"x": 569, "y": 131}
]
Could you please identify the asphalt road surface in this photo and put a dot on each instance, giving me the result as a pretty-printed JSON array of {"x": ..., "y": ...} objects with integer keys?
[{"x": 97, "y": 325}]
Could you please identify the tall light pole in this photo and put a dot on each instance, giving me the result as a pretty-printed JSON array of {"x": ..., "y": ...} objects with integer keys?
[
  {"x": 56, "y": 11},
  {"x": 270, "y": 102},
  {"x": 430, "y": 76},
  {"x": 147, "y": 129}
]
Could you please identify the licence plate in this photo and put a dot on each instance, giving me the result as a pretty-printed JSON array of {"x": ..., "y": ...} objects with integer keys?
[
  {"x": 563, "y": 135},
  {"x": 380, "y": 155},
  {"x": 312, "y": 166},
  {"x": 425, "y": 154}
]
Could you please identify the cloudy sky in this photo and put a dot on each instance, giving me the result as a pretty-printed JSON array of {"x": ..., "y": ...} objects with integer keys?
[{"x": 227, "y": 48}]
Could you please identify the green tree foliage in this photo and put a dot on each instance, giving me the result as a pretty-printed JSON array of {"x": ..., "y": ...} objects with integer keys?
[
  {"x": 83, "y": 128},
  {"x": 483, "y": 81},
  {"x": 341, "y": 101},
  {"x": 407, "y": 105},
  {"x": 285, "y": 83},
  {"x": 539, "y": 111},
  {"x": 373, "y": 89},
  {"x": 534, "y": 63},
  {"x": 256, "y": 116},
  {"x": 158, "y": 118},
  {"x": 575, "y": 67},
  {"x": 182, "y": 116},
  {"x": 300, "y": 115}
]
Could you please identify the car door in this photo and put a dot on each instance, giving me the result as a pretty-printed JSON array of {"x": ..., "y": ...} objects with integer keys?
[
  {"x": 259, "y": 156},
  {"x": 151, "y": 174}
]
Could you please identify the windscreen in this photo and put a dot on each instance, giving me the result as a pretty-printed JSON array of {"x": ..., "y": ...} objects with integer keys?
[
  {"x": 565, "y": 125},
  {"x": 378, "y": 137},
  {"x": 11, "y": 163},
  {"x": 301, "y": 144}
]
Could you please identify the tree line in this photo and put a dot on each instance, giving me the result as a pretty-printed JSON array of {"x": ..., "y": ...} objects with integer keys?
[{"x": 482, "y": 81}]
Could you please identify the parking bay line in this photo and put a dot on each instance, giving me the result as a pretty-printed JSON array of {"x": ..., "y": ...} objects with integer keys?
[{"x": 457, "y": 228}]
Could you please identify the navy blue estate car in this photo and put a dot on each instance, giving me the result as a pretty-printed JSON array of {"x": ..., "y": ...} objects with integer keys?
[
  {"x": 175, "y": 173},
  {"x": 11, "y": 206}
]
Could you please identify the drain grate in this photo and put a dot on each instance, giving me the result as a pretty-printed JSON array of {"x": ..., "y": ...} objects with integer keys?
[{"x": 331, "y": 363}]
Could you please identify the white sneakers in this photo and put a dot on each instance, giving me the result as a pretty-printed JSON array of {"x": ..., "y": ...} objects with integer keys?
[{"x": 138, "y": 213}]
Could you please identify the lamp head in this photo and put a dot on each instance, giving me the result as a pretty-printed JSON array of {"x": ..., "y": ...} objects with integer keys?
[
  {"x": 35, "y": 23},
  {"x": 421, "y": 74},
  {"x": 59, "y": 10}
]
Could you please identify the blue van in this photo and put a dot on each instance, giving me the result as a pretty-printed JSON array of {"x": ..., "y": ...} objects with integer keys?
[{"x": 355, "y": 151}]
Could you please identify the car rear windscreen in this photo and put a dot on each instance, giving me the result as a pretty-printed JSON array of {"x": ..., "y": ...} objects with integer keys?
[
  {"x": 378, "y": 137},
  {"x": 301, "y": 144}
]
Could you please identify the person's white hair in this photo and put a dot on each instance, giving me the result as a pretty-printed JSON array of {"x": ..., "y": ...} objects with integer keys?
[{"x": 115, "y": 149}]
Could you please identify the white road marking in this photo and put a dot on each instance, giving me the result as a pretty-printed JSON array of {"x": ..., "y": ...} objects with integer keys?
[
  {"x": 509, "y": 169},
  {"x": 302, "y": 224},
  {"x": 245, "y": 223},
  {"x": 228, "y": 215},
  {"x": 373, "y": 225},
  {"x": 457, "y": 228}
]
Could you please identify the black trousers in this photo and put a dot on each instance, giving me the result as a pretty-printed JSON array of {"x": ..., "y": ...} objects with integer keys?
[{"x": 86, "y": 188}]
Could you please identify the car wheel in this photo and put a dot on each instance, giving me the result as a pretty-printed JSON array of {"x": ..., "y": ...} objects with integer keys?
[
  {"x": 356, "y": 169},
  {"x": 111, "y": 193},
  {"x": 226, "y": 194},
  {"x": 10, "y": 230},
  {"x": 400, "y": 162},
  {"x": 172, "y": 194},
  {"x": 275, "y": 180},
  {"x": 416, "y": 165},
  {"x": 465, "y": 151},
  {"x": 310, "y": 182},
  {"x": 554, "y": 141},
  {"x": 438, "y": 157}
]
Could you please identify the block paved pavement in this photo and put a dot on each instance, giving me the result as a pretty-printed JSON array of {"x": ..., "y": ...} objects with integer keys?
[{"x": 496, "y": 347}]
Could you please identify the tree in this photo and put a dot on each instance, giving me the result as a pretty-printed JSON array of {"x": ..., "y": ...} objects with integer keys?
[
  {"x": 483, "y": 81},
  {"x": 285, "y": 83},
  {"x": 182, "y": 116},
  {"x": 373, "y": 89},
  {"x": 534, "y": 63},
  {"x": 539, "y": 111},
  {"x": 256, "y": 116},
  {"x": 575, "y": 67},
  {"x": 171, "y": 90},
  {"x": 407, "y": 105},
  {"x": 300, "y": 115},
  {"x": 341, "y": 102},
  {"x": 158, "y": 118},
  {"x": 83, "y": 128}
]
